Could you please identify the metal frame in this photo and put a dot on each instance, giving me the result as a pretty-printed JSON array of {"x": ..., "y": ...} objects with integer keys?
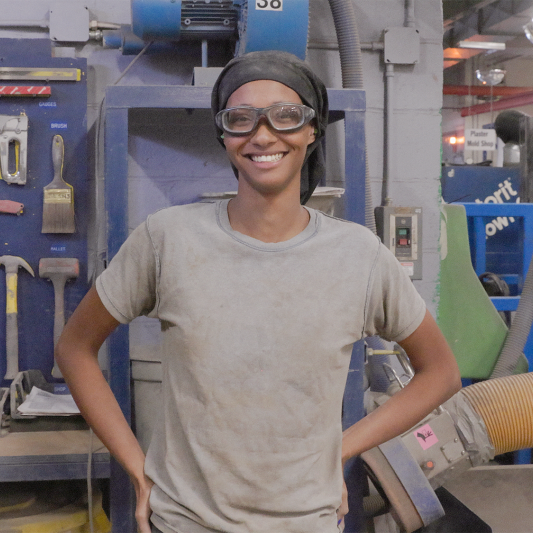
[
  {"x": 67, "y": 110},
  {"x": 347, "y": 104},
  {"x": 505, "y": 303},
  {"x": 481, "y": 211},
  {"x": 53, "y": 467}
]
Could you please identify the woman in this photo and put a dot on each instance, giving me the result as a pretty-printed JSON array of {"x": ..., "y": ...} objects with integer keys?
[{"x": 260, "y": 300}]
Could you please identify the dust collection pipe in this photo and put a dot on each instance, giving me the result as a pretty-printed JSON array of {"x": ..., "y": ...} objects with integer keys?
[
  {"x": 352, "y": 75},
  {"x": 506, "y": 407},
  {"x": 519, "y": 331},
  {"x": 491, "y": 417}
]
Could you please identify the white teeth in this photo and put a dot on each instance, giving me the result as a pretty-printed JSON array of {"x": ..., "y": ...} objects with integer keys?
[{"x": 266, "y": 158}]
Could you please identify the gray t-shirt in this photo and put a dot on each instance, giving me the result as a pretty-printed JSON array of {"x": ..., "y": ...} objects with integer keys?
[{"x": 257, "y": 339}]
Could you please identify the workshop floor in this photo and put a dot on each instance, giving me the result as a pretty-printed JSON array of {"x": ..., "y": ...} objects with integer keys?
[{"x": 502, "y": 496}]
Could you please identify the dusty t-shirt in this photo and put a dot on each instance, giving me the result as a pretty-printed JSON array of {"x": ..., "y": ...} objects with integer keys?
[{"x": 257, "y": 339}]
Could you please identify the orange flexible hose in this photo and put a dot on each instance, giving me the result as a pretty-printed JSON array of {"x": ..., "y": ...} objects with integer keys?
[{"x": 506, "y": 406}]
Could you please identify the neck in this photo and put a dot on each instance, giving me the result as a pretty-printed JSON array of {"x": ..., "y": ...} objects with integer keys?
[{"x": 268, "y": 219}]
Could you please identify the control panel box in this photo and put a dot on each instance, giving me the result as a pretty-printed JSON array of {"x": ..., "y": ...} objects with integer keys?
[{"x": 400, "y": 230}]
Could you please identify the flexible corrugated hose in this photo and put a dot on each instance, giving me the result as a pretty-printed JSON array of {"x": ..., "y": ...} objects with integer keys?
[
  {"x": 518, "y": 333},
  {"x": 506, "y": 407},
  {"x": 352, "y": 74}
]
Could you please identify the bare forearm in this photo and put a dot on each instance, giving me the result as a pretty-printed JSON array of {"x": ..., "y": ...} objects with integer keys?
[
  {"x": 398, "y": 414},
  {"x": 436, "y": 379},
  {"x": 77, "y": 356},
  {"x": 101, "y": 410}
]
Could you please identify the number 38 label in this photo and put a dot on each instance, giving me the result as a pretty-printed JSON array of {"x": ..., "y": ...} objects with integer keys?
[{"x": 269, "y": 5}]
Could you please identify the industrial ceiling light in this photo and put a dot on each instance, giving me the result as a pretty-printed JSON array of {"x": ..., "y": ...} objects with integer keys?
[
  {"x": 482, "y": 45},
  {"x": 528, "y": 30},
  {"x": 490, "y": 77}
]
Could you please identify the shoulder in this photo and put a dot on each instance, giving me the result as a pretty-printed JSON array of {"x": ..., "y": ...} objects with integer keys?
[
  {"x": 346, "y": 229},
  {"x": 177, "y": 212},
  {"x": 180, "y": 217}
]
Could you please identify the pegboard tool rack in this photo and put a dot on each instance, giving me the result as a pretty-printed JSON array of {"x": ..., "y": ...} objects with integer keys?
[{"x": 44, "y": 455}]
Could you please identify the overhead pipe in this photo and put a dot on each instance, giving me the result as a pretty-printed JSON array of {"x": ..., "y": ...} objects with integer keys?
[
  {"x": 506, "y": 103},
  {"x": 483, "y": 90}
]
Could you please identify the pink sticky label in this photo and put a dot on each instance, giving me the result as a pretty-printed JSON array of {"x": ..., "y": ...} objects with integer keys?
[{"x": 425, "y": 436}]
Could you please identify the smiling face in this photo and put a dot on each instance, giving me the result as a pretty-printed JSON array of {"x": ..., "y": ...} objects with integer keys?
[{"x": 268, "y": 162}]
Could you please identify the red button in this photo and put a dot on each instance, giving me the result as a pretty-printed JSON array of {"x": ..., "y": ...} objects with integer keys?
[{"x": 404, "y": 242}]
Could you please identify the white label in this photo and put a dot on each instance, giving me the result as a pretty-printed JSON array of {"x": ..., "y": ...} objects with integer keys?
[
  {"x": 409, "y": 268},
  {"x": 269, "y": 5},
  {"x": 480, "y": 139}
]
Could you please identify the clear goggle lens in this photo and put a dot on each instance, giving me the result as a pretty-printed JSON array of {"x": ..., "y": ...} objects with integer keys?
[{"x": 285, "y": 118}]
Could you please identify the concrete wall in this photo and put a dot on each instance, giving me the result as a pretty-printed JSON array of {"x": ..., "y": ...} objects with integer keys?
[{"x": 417, "y": 117}]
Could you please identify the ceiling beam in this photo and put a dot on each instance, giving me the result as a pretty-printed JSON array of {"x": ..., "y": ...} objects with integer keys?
[{"x": 480, "y": 20}]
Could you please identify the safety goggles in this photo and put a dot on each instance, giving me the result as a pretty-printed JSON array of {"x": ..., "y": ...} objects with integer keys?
[{"x": 283, "y": 118}]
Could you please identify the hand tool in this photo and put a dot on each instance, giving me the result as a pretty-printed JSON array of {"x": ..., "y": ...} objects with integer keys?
[
  {"x": 9, "y": 206},
  {"x": 58, "y": 201},
  {"x": 14, "y": 129},
  {"x": 58, "y": 270},
  {"x": 11, "y": 264}
]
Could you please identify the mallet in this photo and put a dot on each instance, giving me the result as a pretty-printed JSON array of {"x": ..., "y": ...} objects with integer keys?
[{"x": 58, "y": 271}]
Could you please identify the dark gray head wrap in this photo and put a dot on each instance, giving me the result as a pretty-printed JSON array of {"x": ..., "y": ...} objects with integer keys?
[{"x": 294, "y": 73}]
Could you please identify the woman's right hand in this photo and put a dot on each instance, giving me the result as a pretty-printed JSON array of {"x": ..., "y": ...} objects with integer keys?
[{"x": 143, "y": 511}]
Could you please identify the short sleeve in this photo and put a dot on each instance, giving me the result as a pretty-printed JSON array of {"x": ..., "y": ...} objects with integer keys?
[
  {"x": 128, "y": 286},
  {"x": 393, "y": 309}
]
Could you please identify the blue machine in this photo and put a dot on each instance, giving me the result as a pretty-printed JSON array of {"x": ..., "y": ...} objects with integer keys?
[
  {"x": 253, "y": 24},
  {"x": 490, "y": 185}
]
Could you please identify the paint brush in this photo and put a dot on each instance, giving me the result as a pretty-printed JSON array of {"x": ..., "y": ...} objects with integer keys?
[{"x": 58, "y": 202}]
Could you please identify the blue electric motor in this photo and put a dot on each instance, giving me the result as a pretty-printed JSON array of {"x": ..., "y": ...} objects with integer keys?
[{"x": 252, "y": 24}]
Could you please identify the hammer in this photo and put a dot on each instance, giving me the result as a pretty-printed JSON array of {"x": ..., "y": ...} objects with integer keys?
[
  {"x": 58, "y": 271},
  {"x": 11, "y": 264}
]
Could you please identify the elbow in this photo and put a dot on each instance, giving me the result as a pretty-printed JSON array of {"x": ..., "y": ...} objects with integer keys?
[
  {"x": 60, "y": 351},
  {"x": 64, "y": 348},
  {"x": 458, "y": 382},
  {"x": 454, "y": 379}
]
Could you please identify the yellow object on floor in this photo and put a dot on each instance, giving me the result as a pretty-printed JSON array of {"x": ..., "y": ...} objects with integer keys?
[{"x": 73, "y": 518}]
